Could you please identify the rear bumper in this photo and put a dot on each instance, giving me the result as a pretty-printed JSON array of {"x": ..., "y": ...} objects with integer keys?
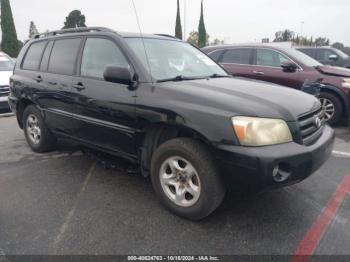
[{"x": 248, "y": 168}]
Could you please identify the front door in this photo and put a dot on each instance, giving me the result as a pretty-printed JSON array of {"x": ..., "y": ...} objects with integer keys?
[
  {"x": 104, "y": 111},
  {"x": 267, "y": 67}
]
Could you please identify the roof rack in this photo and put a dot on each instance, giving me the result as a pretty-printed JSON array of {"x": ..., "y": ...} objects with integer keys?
[{"x": 73, "y": 30}]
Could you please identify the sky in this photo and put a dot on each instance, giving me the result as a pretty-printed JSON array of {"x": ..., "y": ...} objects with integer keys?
[{"x": 235, "y": 21}]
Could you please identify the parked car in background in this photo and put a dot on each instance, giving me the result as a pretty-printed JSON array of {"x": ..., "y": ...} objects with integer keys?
[
  {"x": 288, "y": 67},
  {"x": 194, "y": 129},
  {"x": 327, "y": 56},
  {"x": 6, "y": 69}
]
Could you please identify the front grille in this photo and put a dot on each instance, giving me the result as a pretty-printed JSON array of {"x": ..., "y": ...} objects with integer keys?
[
  {"x": 4, "y": 90},
  {"x": 311, "y": 126}
]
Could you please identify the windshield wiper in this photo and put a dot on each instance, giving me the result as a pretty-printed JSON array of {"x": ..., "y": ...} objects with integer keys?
[
  {"x": 176, "y": 78},
  {"x": 218, "y": 76}
]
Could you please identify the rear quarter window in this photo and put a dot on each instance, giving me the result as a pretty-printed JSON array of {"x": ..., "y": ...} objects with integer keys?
[
  {"x": 33, "y": 57},
  {"x": 63, "y": 56}
]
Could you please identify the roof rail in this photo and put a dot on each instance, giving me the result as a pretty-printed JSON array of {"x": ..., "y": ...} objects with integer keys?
[
  {"x": 73, "y": 30},
  {"x": 165, "y": 35}
]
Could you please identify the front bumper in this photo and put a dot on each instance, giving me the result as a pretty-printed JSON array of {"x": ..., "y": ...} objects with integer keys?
[
  {"x": 251, "y": 168},
  {"x": 4, "y": 105}
]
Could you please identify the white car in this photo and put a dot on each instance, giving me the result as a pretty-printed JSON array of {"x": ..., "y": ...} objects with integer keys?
[{"x": 6, "y": 70}]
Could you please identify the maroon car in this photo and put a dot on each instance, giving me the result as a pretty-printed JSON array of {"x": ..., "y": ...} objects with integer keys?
[{"x": 288, "y": 67}]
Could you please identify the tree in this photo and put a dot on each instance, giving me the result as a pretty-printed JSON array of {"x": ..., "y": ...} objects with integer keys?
[
  {"x": 338, "y": 45},
  {"x": 217, "y": 41},
  {"x": 202, "y": 33},
  {"x": 346, "y": 50},
  {"x": 284, "y": 36},
  {"x": 9, "y": 43},
  {"x": 32, "y": 30},
  {"x": 322, "y": 41},
  {"x": 193, "y": 38},
  {"x": 74, "y": 19},
  {"x": 178, "y": 27}
]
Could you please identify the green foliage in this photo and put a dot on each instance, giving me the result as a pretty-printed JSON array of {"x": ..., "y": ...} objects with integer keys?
[
  {"x": 338, "y": 45},
  {"x": 178, "y": 27},
  {"x": 74, "y": 19},
  {"x": 202, "y": 33},
  {"x": 284, "y": 36},
  {"x": 193, "y": 38},
  {"x": 9, "y": 43}
]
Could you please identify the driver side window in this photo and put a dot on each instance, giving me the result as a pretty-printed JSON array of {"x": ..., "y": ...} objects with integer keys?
[
  {"x": 98, "y": 53},
  {"x": 267, "y": 57}
]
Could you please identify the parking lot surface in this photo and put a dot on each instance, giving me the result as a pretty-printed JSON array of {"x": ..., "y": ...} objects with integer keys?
[{"x": 65, "y": 203}]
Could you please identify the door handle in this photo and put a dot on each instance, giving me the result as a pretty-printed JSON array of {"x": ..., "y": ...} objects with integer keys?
[
  {"x": 259, "y": 73},
  {"x": 38, "y": 79},
  {"x": 79, "y": 86},
  {"x": 52, "y": 83}
]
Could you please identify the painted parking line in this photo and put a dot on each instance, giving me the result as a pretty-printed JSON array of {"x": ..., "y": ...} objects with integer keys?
[
  {"x": 341, "y": 154},
  {"x": 312, "y": 238}
]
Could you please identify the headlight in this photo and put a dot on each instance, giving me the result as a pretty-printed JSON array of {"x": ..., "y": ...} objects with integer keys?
[
  {"x": 346, "y": 83},
  {"x": 253, "y": 131}
]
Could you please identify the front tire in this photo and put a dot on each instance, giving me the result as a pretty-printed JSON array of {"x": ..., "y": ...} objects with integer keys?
[
  {"x": 185, "y": 178},
  {"x": 38, "y": 136},
  {"x": 332, "y": 107}
]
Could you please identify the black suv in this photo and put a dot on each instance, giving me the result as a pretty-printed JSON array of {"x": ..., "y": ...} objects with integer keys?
[
  {"x": 167, "y": 107},
  {"x": 327, "y": 56}
]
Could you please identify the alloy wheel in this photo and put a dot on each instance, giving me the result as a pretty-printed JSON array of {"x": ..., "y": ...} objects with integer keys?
[
  {"x": 180, "y": 181},
  {"x": 328, "y": 108},
  {"x": 33, "y": 129}
]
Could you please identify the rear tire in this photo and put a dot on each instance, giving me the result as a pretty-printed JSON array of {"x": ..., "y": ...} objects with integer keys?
[
  {"x": 332, "y": 107},
  {"x": 38, "y": 136},
  {"x": 185, "y": 178}
]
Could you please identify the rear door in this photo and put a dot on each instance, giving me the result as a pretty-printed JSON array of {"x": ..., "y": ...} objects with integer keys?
[
  {"x": 238, "y": 61},
  {"x": 56, "y": 70},
  {"x": 267, "y": 67},
  {"x": 105, "y": 111}
]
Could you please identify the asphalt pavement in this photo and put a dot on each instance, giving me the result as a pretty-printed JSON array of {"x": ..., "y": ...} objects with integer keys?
[{"x": 65, "y": 203}]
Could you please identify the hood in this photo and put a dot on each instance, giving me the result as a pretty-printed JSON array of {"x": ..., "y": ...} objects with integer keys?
[
  {"x": 5, "y": 78},
  {"x": 242, "y": 97},
  {"x": 334, "y": 71}
]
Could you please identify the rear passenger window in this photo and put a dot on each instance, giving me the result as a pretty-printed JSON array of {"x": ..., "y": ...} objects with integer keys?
[
  {"x": 63, "y": 56},
  {"x": 98, "y": 53},
  {"x": 33, "y": 56},
  {"x": 237, "y": 56}
]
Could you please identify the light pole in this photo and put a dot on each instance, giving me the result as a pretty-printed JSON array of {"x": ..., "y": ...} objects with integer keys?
[
  {"x": 184, "y": 37},
  {"x": 301, "y": 28}
]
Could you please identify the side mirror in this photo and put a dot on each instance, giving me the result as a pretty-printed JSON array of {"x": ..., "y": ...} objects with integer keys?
[
  {"x": 289, "y": 66},
  {"x": 333, "y": 57},
  {"x": 118, "y": 74}
]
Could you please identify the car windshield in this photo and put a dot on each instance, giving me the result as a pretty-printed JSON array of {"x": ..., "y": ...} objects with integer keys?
[
  {"x": 341, "y": 54},
  {"x": 302, "y": 58},
  {"x": 169, "y": 59},
  {"x": 6, "y": 64}
]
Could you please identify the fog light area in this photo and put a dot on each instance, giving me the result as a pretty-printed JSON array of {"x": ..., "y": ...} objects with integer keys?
[{"x": 281, "y": 172}]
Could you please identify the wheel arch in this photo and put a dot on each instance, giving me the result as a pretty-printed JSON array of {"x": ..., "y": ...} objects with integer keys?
[
  {"x": 158, "y": 133},
  {"x": 21, "y": 106}
]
